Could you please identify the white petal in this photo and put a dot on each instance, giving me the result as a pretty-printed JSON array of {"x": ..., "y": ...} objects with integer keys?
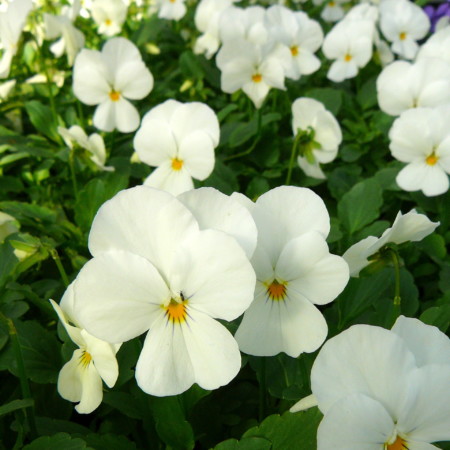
[
  {"x": 197, "y": 153},
  {"x": 69, "y": 379},
  {"x": 213, "y": 351},
  {"x": 144, "y": 221},
  {"x": 117, "y": 294},
  {"x": 311, "y": 270},
  {"x": 356, "y": 422},
  {"x": 169, "y": 180},
  {"x": 428, "y": 343},
  {"x": 357, "y": 255},
  {"x": 164, "y": 366},
  {"x": 353, "y": 361},
  {"x": 220, "y": 286},
  {"x": 215, "y": 210},
  {"x": 91, "y": 80},
  {"x": 91, "y": 390},
  {"x": 133, "y": 80},
  {"x": 432, "y": 180}
]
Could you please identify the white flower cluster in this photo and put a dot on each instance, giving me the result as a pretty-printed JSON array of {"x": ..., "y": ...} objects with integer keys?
[
  {"x": 350, "y": 42},
  {"x": 382, "y": 389},
  {"x": 419, "y": 93},
  {"x": 260, "y": 47},
  {"x": 170, "y": 266}
]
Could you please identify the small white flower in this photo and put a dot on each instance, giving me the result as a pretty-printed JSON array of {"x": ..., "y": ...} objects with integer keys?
[
  {"x": 318, "y": 134},
  {"x": 179, "y": 139},
  {"x": 171, "y": 9},
  {"x": 295, "y": 272},
  {"x": 93, "y": 144},
  {"x": 409, "y": 227},
  {"x": 403, "y": 23},
  {"x": 109, "y": 15},
  {"x": 349, "y": 44},
  {"x": 333, "y": 10},
  {"x": 420, "y": 137},
  {"x": 80, "y": 379},
  {"x": 110, "y": 77}
]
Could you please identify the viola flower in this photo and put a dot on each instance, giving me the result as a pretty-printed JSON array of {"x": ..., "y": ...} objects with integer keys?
[
  {"x": 403, "y": 85},
  {"x": 94, "y": 144},
  {"x": 179, "y": 139},
  {"x": 403, "y": 23},
  {"x": 71, "y": 39},
  {"x": 420, "y": 137},
  {"x": 108, "y": 79},
  {"x": 383, "y": 389},
  {"x": 251, "y": 67},
  {"x": 318, "y": 135},
  {"x": 294, "y": 271},
  {"x": 349, "y": 44},
  {"x": 439, "y": 15},
  {"x": 171, "y": 9},
  {"x": 154, "y": 271},
  {"x": 409, "y": 227},
  {"x": 80, "y": 379},
  {"x": 207, "y": 19},
  {"x": 301, "y": 35},
  {"x": 333, "y": 10},
  {"x": 12, "y": 22},
  {"x": 109, "y": 15}
]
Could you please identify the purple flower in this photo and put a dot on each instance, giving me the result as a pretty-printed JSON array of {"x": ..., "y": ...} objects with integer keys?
[{"x": 436, "y": 12}]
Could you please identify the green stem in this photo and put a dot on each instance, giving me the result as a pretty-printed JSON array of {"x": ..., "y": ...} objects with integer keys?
[
  {"x": 262, "y": 390},
  {"x": 62, "y": 272},
  {"x": 25, "y": 387},
  {"x": 72, "y": 173},
  {"x": 397, "y": 298},
  {"x": 294, "y": 153}
]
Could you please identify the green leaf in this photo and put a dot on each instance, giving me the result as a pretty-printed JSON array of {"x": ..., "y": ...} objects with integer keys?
[
  {"x": 190, "y": 65},
  {"x": 251, "y": 443},
  {"x": 57, "y": 442},
  {"x": 367, "y": 95},
  {"x": 434, "y": 245},
  {"x": 15, "y": 405},
  {"x": 289, "y": 431},
  {"x": 8, "y": 262},
  {"x": 361, "y": 205},
  {"x": 439, "y": 316},
  {"x": 109, "y": 441},
  {"x": 171, "y": 424},
  {"x": 94, "y": 194},
  {"x": 42, "y": 118}
]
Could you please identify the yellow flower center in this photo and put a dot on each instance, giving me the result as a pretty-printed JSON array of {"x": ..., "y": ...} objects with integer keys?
[
  {"x": 432, "y": 159},
  {"x": 114, "y": 95},
  {"x": 348, "y": 57},
  {"x": 257, "y": 78},
  {"x": 402, "y": 36},
  {"x": 176, "y": 311},
  {"x": 108, "y": 22},
  {"x": 331, "y": 4},
  {"x": 85, "y": 358},
  {"x": 294, "y": 50},
  {"x": 399, "y": 444},
  {"x": 177, "y": 164},
  {"x": 276, "y": 291}
]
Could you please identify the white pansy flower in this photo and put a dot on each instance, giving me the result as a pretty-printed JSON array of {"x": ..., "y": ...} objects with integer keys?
[
  {"x": 380, "y": 389},
  {"x": 333, "y": 9},
  {"x": 179, "y": 139},
  {"x": 94, "y": 144},
  {"x": 349, "y": 44},
  {"x": 170, "y": 9},
  {"x": 403, "y": 85},
  {"x": 80, "y": 379},
  {"x": 318, "y": 135},
  {"x": 207, "y": 19},
  {"x": 421, "y": 138},
  {"x": 12, "y": 22},
  {"x": 301, "y": 35},
  {"x": 253, "y": 68},
  {"x": 109, "y": 15},
  {"x": 403, "y": 23},
  {"x": 295, "y": 272},
  {"x": 108, "y": 79},
  {"x": 71, "y": 39},
  {"x": 154, "y": 271},
  {"x": 408, "y": 227}
]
